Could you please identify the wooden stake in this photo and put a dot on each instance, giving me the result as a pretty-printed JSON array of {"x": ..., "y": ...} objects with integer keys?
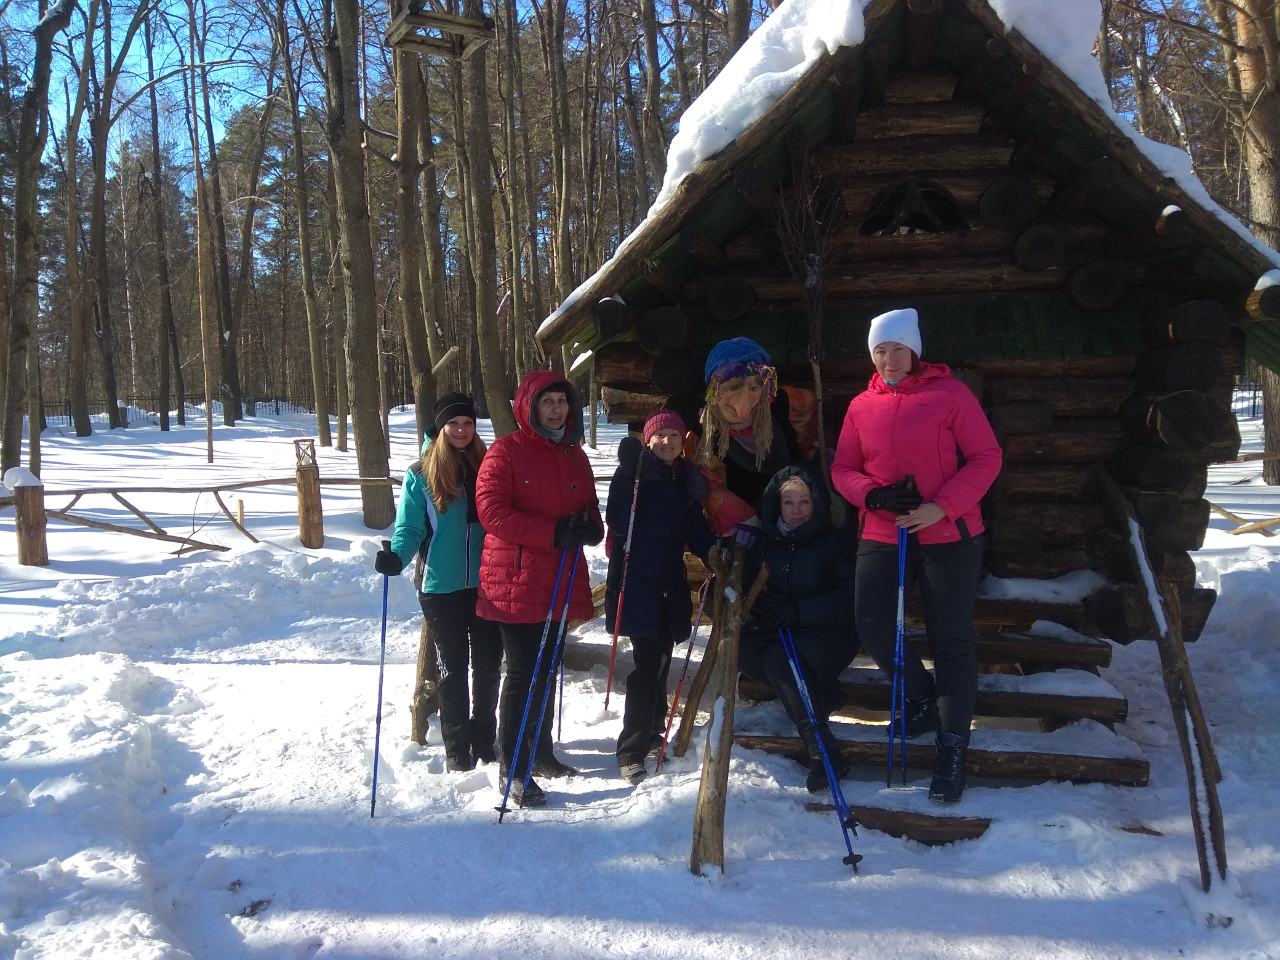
[
  {"x": 708, "y": 816},
  {"x": 1203, "y": 772},
  {"x": 310, "y": 510},
  {"x": 30, "y": 524}
]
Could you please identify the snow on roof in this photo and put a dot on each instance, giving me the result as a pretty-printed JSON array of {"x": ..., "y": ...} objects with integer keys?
[{"x": 799, "y": 32}]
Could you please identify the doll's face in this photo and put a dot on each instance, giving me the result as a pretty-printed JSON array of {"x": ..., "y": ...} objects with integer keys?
[
  {"x": 459, "y": 432},
  {"x": 667, "y": 444},
  {"x": 796, "y": 504},
  {"x": 737, "y": 399}
]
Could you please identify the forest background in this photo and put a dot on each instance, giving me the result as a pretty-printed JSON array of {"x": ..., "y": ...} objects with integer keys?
[{"x": 259, "y": 199}]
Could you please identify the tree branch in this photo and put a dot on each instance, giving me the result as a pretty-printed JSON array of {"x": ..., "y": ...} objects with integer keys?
[{"x": 1184, "y": 25}]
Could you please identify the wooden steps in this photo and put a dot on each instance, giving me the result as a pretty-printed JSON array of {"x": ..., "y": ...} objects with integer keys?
[
  {"x": 1078, "y": 753},
  {"x": 926, "y": 828},
  {"x": 1056, "y": 695}
]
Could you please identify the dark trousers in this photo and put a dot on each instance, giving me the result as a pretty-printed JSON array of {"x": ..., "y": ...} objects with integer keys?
[
  {"x": 468, "y": 719},
  {"x": 520, "y": 643},
  {"x": 948, "y": 574},
  {"x": 768, "y": 661},
  {"x": 644, "y": 714}
]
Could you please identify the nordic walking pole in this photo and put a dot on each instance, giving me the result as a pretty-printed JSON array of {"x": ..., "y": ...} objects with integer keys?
[
  {"x": 537, "y": 663},
  {"x": 837, "y": 793},
  {"x": 382, "y": 662},
  {"x": 551, "y": 666},
  {"x": 622, "y": 591},
  {"x": 671, "y": 714},
  {"x": 898, "y": 696}
]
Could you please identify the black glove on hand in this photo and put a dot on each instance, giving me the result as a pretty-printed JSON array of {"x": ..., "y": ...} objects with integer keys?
[
  {"x": 896, "y": 498},
  {"x": 387, "y": 563},
  {"x": 629, "y": 450},
  {"x": 590, "y": 531},
  {"x": 774, "y": 610}
]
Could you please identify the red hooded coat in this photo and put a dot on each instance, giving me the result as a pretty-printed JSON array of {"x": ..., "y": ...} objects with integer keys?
[
  {"x": 929, "y": 426},
  {"x": 526, "y": 482}
]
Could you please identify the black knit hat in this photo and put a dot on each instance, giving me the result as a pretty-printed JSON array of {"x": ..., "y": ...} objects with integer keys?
[{"x": 453, "y": 405}]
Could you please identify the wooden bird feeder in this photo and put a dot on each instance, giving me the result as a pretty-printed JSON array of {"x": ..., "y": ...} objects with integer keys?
[{"x": 438, "y": 34}]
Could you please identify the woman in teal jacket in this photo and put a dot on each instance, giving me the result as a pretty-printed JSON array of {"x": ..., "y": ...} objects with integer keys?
[{"x": 436, "y": 521}]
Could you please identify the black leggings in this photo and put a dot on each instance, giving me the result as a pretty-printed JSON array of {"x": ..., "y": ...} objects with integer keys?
[
  {"x": 468, "y": 721},
  {"x": 520, "y": 642},
  {"x": 948, "y": 574},
  {"x": 644, "y": 714}
]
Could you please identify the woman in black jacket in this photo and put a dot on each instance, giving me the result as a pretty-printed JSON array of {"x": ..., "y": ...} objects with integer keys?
[
  {"x": 810, "y": 592},
  {"x": 655, "y": 600}
]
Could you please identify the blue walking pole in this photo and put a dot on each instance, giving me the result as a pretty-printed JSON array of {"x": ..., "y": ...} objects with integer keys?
[
  {"x": 551, "y": 667},
  {"x": 898, "y": 696},
  {"x": 837, "y": 794},
  {"x": 528, "y": 700},
  {"x": 382, "y": 662}
]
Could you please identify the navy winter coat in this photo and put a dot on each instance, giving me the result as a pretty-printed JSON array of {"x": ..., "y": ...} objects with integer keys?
[
  {"x": 668, "y": 516},
  {"x": 813, "y": 570}
]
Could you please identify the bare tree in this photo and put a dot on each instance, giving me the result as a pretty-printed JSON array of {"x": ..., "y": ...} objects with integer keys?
[{"x": 26, "y": 225}]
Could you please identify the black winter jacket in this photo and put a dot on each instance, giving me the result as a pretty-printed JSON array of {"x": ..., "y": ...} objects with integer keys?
[
  {"x": 668, "y": 517},
  {"x": 812, "y": 568}
]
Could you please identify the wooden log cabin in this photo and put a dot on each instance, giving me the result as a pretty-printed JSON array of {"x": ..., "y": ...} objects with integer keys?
[{"x": 1099, "y": 307}]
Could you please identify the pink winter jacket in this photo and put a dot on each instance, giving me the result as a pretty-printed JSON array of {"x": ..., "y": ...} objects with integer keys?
[{"x": 929, "y": 426}]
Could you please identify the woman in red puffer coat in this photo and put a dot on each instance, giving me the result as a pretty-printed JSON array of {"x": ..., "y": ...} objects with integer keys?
[
  {"x": 536, "y": 499},
  {"x": 915, "y": 421}
]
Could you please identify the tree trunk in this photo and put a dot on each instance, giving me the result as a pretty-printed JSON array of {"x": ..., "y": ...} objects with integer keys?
[
  {"x": 409, "y": 238},
  {"x": 431, "y": 270},
  {"x": 485, "y": 254},
  {"x": 654, "y": 139},
  {"x": 739, "y": 25},
  {"x": 345, "y": 134},
  {"x": 162, "y": 248},
  {"x": 1259, "y": 70},
  {"x": 229, "y": 385},
  {"x": 338, "y": 309},
  {"x": 302, "y": 205},
  {"x": 23, "y": 302}
]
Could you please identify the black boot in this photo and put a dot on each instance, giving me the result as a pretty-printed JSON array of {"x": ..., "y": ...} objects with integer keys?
[
  {"x": 921, "y": 716},
  {"x": 459, "y": 762},
  {"x": 948, "y": 772},
  {"x": 552, "y": 767},
  {"x": 533, "y": 796},
  {"x": 816, "y": 781}
]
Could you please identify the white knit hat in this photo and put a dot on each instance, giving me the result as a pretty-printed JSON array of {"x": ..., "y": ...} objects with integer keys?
[{"x": 900, "y": 326}]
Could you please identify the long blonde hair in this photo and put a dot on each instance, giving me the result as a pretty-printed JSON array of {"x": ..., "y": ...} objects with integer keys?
[{"x": 442, "y": 467}]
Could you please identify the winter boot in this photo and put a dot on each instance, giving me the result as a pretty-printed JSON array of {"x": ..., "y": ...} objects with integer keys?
[
  {"x": 948, "y": 772},
  {"x": 816, "y": 781},
  {"x": 921, "y": 715},
  {"x": 552, "y": 767},
  {"x": 484, "y": 752},
  {"x": 522, "y": 796},
  {"x": 632, "y": 771},
  {"x": 459, "y": 762}
]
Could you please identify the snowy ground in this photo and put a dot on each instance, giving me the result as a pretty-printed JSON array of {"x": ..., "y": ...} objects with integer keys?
[{"x": 185, "y": 761}]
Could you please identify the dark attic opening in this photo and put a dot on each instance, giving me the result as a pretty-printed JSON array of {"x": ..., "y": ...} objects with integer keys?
[{"x": 913, "y": 205}]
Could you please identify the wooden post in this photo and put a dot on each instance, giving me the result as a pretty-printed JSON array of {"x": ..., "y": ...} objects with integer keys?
[
  {"x": 708, "y": 815},
  {"x": 1198, "y": 754},
  {"x": 30, "y": 525},
  {"x": 426, "y": 683},
  {"x": 310, "y": 511}
]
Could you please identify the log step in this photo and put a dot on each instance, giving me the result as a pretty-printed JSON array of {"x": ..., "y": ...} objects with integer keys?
[
  {"x": 1060, "y": 694},
  {"x": 926, "y": 828},
  {"x": 1078, "y": 753},
  {"x": 1032, "y": 648}
]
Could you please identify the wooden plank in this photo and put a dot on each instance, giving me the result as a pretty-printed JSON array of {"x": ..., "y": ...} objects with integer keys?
[
  {"x": 909, "y": 119},
  {"x": 915, "y": 87},
  {"x": 931, "y": 830},
  {"x": 966, "y": 186},
  {"x": 998, "y": 696},
  {"x": 1030, "y": 766},
  {"x": 913, "y": 155}
]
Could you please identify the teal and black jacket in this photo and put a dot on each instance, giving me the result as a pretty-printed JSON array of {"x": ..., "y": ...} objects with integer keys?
[{"x": 449, "y": 543}]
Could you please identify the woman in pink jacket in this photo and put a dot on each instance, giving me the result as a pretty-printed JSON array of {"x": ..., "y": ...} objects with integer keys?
[{"x": 916, "y": 452}]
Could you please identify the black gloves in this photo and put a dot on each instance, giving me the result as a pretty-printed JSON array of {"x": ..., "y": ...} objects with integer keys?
[
  {"x": 901, "y": 497},
  {"x": 774, "y": 611},
  {"x": 387, "y": 563},
  {"x": 629, "y": 450},
  {"x": 575, "y": 532}
]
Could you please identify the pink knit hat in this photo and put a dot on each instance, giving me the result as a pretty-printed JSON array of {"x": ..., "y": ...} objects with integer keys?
[{"x": 663, "y": 420}]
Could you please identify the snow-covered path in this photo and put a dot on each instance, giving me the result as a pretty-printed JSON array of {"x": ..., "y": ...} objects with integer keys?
[{"x": 186, "y": 745}]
